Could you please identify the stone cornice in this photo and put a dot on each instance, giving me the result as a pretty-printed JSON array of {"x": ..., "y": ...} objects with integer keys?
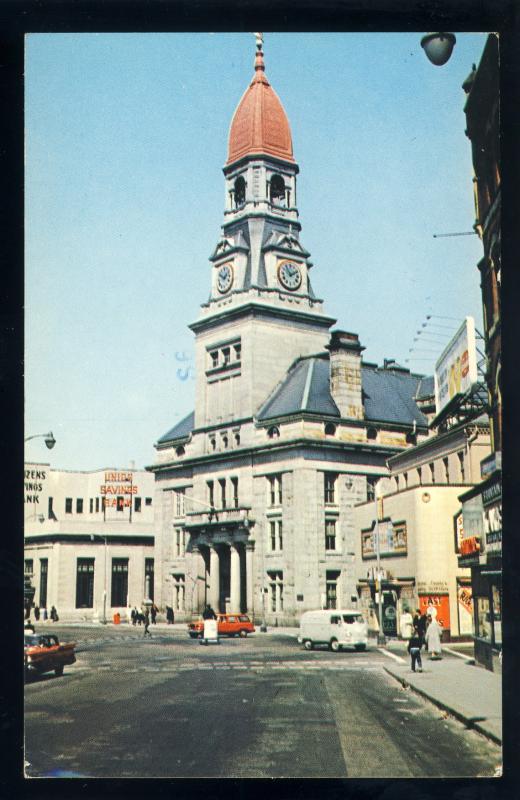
[{"x": 260, "y": 310}]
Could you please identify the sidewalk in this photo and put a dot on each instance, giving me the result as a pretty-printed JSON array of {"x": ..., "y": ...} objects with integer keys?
[{"x": 470, "y": 693}]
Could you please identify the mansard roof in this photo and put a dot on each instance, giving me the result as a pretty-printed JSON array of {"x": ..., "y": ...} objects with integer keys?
[
  {"x": 388, "y": 394},
  {"x": 180, "y": 431}
]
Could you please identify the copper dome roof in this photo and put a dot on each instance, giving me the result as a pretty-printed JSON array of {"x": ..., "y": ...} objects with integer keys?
[{"x": 260, "y": 125}]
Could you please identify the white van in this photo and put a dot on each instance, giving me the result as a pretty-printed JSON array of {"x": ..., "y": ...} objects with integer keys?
[{"x": 335, "y": 627}]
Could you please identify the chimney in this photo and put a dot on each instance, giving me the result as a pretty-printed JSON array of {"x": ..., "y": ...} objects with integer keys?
[{"x": 345, "y": 373}]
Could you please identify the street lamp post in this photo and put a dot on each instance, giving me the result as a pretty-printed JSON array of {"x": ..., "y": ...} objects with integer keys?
[
  {"x": 99, "y": 536},
  {"x": 50, "y": 441},
  {"x": 381, "y": 639}
]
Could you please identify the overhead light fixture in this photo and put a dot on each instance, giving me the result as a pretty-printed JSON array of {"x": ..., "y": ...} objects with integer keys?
[{"x": 438, "y": 47}]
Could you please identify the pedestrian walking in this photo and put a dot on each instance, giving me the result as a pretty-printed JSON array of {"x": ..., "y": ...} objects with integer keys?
[
  {"x": 208, "y": 613},
  {"x": 153, "y": 613},
  {"x": 421, "y": 623},
  {"x": 45, "y": 617},
  {"x": 406, "y": 625},
  {"x": 414, "y": 648},
  {"x": 147, "y": 625},
  {"x": 133, "y": 615},
  {"x": 37, "y": 613},
  {"x": 169, "y": 615},
  {"x": 54, "y": 614},
  {"x": 433, "y": 638}
]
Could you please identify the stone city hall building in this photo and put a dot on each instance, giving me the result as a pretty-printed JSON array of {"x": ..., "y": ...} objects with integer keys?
[{"x": 255, "y": 489}]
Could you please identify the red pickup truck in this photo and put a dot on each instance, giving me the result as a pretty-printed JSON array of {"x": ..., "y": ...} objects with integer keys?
[{"x": 44, "y": 653}]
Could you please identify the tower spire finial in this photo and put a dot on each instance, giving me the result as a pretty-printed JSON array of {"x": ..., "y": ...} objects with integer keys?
[{"x": 259, "y": 59}]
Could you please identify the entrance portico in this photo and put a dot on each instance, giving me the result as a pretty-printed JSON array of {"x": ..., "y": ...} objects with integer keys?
[{"x": 227, "y": 552}]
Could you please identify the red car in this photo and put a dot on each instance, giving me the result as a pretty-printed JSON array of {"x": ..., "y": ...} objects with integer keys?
[
  {"x": 44, "y": 653},
  {"x": 227, "y": 625}
]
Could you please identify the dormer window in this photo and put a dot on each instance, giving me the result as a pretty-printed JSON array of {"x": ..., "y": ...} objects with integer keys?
[
  {"x": 179, "y": 451},
  {"x": 273, "y": 432},
  {"x": 277, "y": 193},
  {"x": 240, "y": 192}
]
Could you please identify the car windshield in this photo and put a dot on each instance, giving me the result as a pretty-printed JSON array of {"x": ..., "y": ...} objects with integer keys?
[
  {"x": 351, "y": 618},
  {"x": 243, "y": 618},
  {"x": 30, "y": 641}
]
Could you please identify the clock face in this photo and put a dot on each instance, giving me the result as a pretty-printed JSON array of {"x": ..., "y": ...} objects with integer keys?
[
  {"x": 225, "y": 278},
  {"x": 289, "y": 275}
]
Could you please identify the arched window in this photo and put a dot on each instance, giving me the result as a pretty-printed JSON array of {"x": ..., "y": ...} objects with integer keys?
[
  {"x": 180, "y": 450},
  {"x": 273, "y": 432},
  {"x": 330, "y": 429},
  {"x": 371, "y": 433},
  {"x": 240, "y": 192},
  {"x": 277, "y": 190}
]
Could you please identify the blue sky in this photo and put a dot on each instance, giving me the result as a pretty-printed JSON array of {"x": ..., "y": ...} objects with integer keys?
[{"x": 126, "y": 136}]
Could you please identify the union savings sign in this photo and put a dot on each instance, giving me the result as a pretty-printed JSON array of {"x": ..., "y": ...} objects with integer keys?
[{"x": 118, "y": 489}]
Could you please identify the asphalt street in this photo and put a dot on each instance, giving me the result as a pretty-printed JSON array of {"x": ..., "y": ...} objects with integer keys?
[{"x": 256, "y": 707}]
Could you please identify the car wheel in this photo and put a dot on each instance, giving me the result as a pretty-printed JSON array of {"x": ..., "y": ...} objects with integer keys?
[
  {"x": 242, "y": 634},
  {"x": 360, "y": 647},
  {"x": 308, "y": 644},
  {"x": 334, "y": 645},
  {"x": 58, "y": 671}
]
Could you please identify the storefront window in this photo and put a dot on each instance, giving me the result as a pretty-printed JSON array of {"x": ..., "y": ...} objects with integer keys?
[
  {"x": 483, "y": 618},
  {"x": 497, "y": 614}
]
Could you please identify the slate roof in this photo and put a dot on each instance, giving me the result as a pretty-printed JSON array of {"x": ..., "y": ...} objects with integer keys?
[
  {"x": 426, "y": 387},
  {"x": 388, "y": 395},
  {"x": 179, "y": 431}
]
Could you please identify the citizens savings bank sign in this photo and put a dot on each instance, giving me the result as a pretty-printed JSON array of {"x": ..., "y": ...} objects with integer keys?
[{"x": 456, "y": 369}]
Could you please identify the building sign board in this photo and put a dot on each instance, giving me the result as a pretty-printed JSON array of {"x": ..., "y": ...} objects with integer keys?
[
  {"x": 392, "y": 540},
  {"x": 118, "y": 489},
  {"x": 34, "y": 484},
  {"x": 458, "y": 524},
  {"x": 456, "y": 369},
  {"x": 465, "y": 608}
]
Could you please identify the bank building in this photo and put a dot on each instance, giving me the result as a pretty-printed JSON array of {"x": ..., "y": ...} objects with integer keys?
[{"x": 255, "y": 490}]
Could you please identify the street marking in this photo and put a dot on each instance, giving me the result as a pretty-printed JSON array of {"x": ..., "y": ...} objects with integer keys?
[{"x": 392, "y": 655}]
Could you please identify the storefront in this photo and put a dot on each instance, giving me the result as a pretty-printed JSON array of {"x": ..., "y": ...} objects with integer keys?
[{"x": 481, "y": 549}]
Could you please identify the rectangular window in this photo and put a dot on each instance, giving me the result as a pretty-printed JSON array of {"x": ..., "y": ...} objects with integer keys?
[
  {"x": 330, "y": 534},
  {"x": 446, "y": 470},
  {"x": 68, "y": 505},
  {"x": 275, "y": 535},
  {"x": 148, "y": 501},
  {"x": 330, "y": 486},
  {"x": 91, "y": 505},
  {"x": 137, "y": 505},
  {"x": 85, "y": 583},
  {"x": 496, "y": 596},
  {"x": 180, "y": 542},
  {"x": 50, "y": 512},
  {"x": 275, "y": 490},
  {"x": 44, "y": 573},
  {"x": 371, "y": 488},
  {"x": 28, "y": 567},
  {"x": 149, "y": 578},
  {"x": 226, "y": 355},
  {"x": 331, "y": 589},
  {"x": 178, "y": 592},
  {"x": 97, "y": 505},
  {"x": 119, "y": 594},
  {"x": 462, "y": 470},
  {"x": 275, "y": 585},
  {"x": 180, "y": 497},
  {"x": 238, "y": 351},
  {"x": 79, "y": 505},
  {"x": 214, "y": 359},
  {"x": 222, "y": 482},
  {"x": 120, "y": 503},
  {"x": 211, "y": 494},
  {"x": 234, "y": 483}
]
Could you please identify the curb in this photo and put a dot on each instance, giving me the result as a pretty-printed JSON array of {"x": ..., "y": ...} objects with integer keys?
[{"x": 457, "y": 714}]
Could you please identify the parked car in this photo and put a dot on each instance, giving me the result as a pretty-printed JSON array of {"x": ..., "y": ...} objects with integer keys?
[
  {"x": 44, "y": 653},
  {"x": 227, "y": 625},
  {"x": 336, "y": 628}
]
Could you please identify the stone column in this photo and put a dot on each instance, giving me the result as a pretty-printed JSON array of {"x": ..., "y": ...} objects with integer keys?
[
  {"x": 214, "y": 578},
  {"x": 249, "y": 577},
  {"x": 235, "y": 580}
]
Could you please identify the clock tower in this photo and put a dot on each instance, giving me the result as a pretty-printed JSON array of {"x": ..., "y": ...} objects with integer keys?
[{"x": 262, "y": 312}]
